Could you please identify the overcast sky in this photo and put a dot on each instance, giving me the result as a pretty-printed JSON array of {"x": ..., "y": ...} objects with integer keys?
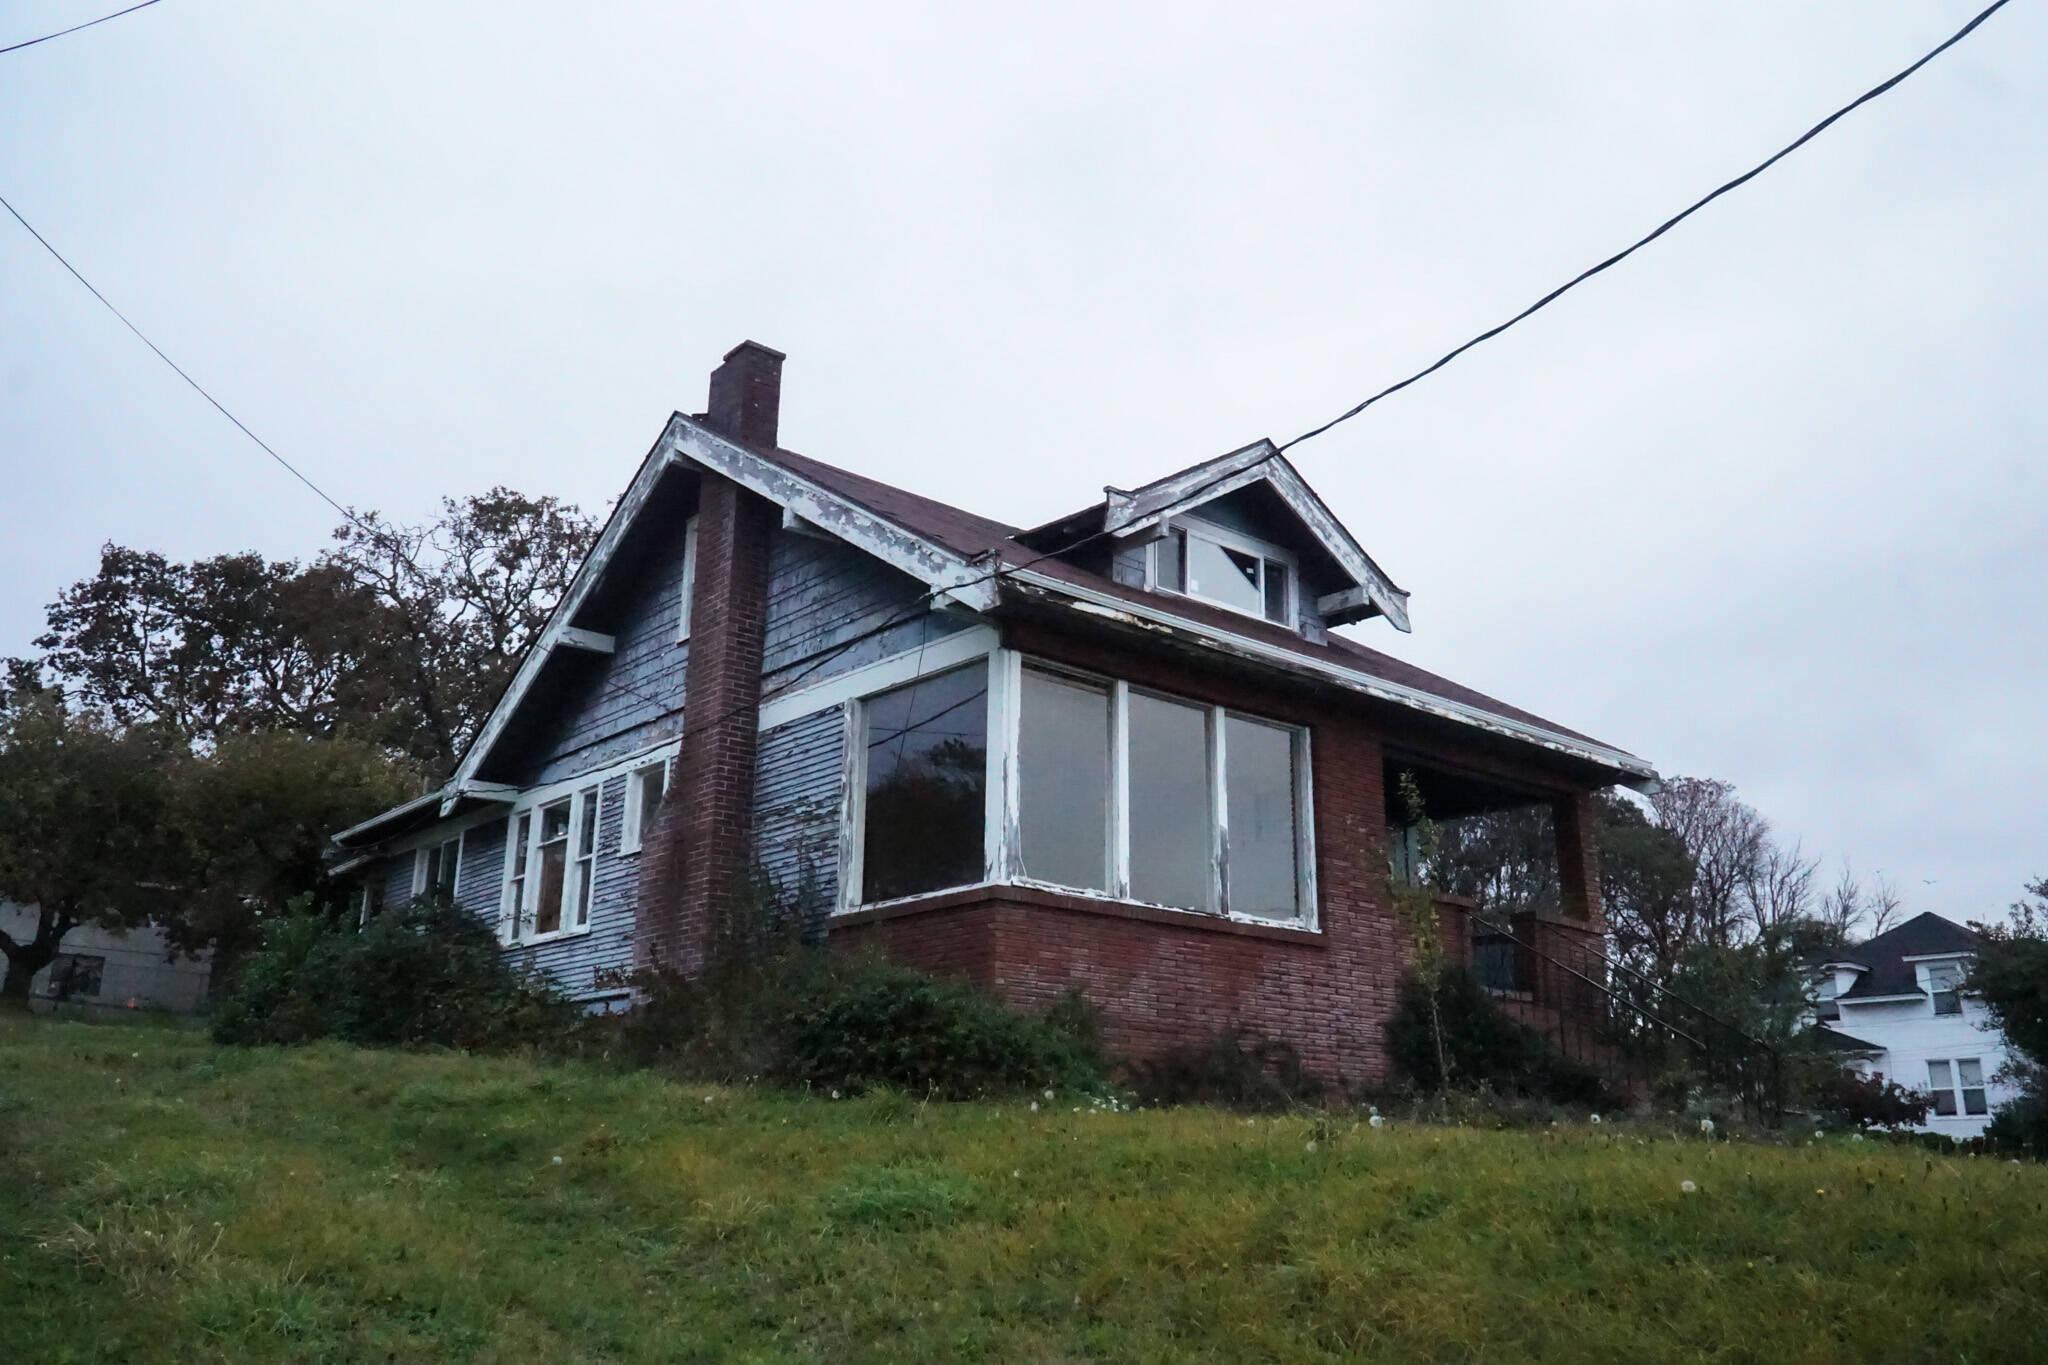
[{"x": 1765, "y": 504}]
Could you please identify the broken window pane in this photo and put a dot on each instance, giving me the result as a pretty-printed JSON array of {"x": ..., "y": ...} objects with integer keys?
[
  {"x": 927, "y": 761},
  {"x": 1258, "y": 784},
  {"x": 1230, "y": 577},
  {"x": 1063, "y": 768},
  {"x": 1171, "y": 830}
]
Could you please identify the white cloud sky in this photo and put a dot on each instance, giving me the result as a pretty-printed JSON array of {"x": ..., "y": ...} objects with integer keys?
[{"x": 1764, "y": 504}]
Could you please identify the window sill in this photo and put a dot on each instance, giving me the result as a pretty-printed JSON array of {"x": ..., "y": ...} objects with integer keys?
[
  {"x": 1075, "y": 902},
  {"x": 543, "y": 940}
]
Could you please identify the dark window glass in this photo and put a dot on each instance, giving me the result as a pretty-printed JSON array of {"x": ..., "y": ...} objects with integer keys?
[
  {"x": 927, "y": 764},
  {"x": 1970, "y": 1071},
  {"x": 1276, "y": 592},
  {"x": 1172, "y": 557},
  {"x": 1258, "y": 784},
  {"x": 1063, "y": 766},
  {"x": 1171, "y": 832},
  {"x": 554, "y": 865},
  {"x": 73, "y": 975},
  {"x": 1946, "y": 978},
  {"x": 1945, "y": 1103}
]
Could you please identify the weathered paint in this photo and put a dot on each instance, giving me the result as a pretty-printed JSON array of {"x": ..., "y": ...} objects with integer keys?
[
  {"x": 594, "y": 964},
  {"x": 797, "y": 808},
  {"x": 823, "y": 593}
]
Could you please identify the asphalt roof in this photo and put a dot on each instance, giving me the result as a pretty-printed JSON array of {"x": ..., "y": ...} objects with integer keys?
[
  {"x": 1888, "y": 972},
  {"x": 969, "y": 534}
]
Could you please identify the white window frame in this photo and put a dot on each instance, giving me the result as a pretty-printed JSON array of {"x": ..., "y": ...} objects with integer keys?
[
  {"x": 513, "y": 919},
  {"x": 423, "y": 855},
  {"x": 632, "y": 837},
  {"x": 1956, "y": 1088},
  {"x": 1002, "y": 853},
  {"x": 689, "y": 578},
  {"x": 1197, "y": 529}
]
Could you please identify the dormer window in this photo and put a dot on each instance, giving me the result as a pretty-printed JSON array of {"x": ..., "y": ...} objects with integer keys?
[{"x": 1207, "y": 562}]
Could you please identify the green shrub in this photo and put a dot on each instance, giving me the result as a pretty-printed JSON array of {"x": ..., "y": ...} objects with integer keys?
[
  {"x": 1482, "y": 1047},
  {"x": 1236, "y": 1069},
  {"x": 429, "y": 973},
  {"x": 1874, "y": 1101},
  {"x": 2020, "y": 1127},
  {"x": 808, "y": 1016}
]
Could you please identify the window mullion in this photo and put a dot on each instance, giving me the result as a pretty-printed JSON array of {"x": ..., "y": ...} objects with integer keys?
[
  {"x": 1001, "y": 858},
  {"x": 1120, "y": 789},
  {"x": 1219, "y": 816},
  {"x": 853, "y": 814}
]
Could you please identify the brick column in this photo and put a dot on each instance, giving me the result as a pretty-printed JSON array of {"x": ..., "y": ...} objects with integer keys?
[
  {"x": 705, "y": 851},
  {"x": 1578, "y": 857}
]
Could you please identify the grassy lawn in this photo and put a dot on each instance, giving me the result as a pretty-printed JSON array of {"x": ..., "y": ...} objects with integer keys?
[{"x": 163, "y": 1199}]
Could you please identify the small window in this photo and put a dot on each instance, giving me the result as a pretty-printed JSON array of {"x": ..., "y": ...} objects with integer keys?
[
  {"x": 1063, "y": 765},
  {"x": 552, "y": 852},
  {"x": 645, "y": 789},
  {"x": 515, "y": 888},
  {"x": 926, "y": 753},
  {"x": 1942, "y": 1086},
  {"x": 1945, "y": 982},
  {"x": 75, "y": 976},
  {"x": 1970, "y": 1071},
  {"x": 1229, "y": 570},
  {"x": 436, "y": 869},
  {"x": 1825, "y": 991},
  {"x": 689, "y": 578},
  {"x": 586, "y": 852}
]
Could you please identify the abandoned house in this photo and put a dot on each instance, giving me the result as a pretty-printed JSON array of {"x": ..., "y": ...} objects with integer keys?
[{"x": 1125, "y": 750}]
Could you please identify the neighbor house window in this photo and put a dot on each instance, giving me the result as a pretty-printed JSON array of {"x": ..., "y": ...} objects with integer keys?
[
  {"x": 1824, "y": 994},
  {"x": 553, "y": 866},
  {"x": 689, "y": 578},
  {"x": 1232, "y": 571},
  {"x": 436, "y": 868},
  {"x": 1945, "y": 984},
  {"x": 1964, "y": 1076},
  {"x": 645, "y": 789},
  {"x": 75, "y": 976},
  {"x": 924, "y": 758},
  {"x": 1154, "y": 799}
]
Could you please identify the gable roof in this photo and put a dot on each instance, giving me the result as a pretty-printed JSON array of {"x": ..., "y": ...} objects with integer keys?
[
  {"x": 1889, "y": 958},
  {"x": 976, "y": 561},
  {"x": 1142, "y": 513}
]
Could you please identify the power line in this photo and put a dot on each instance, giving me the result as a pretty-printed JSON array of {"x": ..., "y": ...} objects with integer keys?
[
  {"x": 197, "y": 387},
  {"x": 75, "y": 28},
  {"x": 1752, "y": 173}
]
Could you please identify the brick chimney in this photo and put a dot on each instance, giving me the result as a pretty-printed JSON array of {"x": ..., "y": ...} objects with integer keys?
[
  {"x": 697, "y": 879},
  {"x": 746, "y": 394}
]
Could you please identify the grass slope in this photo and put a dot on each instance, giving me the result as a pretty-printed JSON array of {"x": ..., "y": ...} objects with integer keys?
[{"x": 163, "y": 1199}]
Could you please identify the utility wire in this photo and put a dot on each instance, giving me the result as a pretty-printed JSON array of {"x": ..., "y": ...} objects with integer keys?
[
  {"x": 197, "y": 387},
  {"x": 75, "y": 28},
  {"x": 1618, "y": 257}
]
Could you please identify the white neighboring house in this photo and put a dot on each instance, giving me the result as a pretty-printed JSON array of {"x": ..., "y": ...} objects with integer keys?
[
  {"x": 1898, "y": 1003},
  {"x": 102, "y": 971}
]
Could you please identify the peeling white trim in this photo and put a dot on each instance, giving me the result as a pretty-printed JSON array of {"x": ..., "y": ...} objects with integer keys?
[
  {"x": 1148, "y": 617},
  {"x": 595, "y": 642},
  {"x": 906, "y": 666}
]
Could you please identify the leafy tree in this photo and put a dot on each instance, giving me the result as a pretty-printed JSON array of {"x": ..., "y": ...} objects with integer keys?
[
  {"x": 1646, "y": 884},
  {"x": 84, "y": 827},
  {"x": 1506, "y": 860},
  {"x": 2011, "y": 976},
  {"x": 401, "y": 635}
]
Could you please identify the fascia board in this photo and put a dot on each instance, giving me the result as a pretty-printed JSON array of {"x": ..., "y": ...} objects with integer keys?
[
  {"x": 947, "y": 573},
  {"x": 383, "y": 817},
  {"x": 1152, "y": 618},
  {"x": 1261, "y": 462}
]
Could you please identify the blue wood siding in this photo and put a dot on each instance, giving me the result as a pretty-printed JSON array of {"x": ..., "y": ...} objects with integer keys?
[
  {"x": 824, "y": 593},
  {"x": 394, "y": 881},
  {"x": 607, "y": 706},
  {"x": 480, "y": 883},
  {"x": 798, "y": 777}
]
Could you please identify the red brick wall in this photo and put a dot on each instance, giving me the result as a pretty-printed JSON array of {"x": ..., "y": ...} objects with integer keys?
[{"x": 703, "y": 845}]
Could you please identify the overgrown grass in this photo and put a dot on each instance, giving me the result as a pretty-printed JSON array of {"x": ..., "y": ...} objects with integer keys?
[{"x": 163, "y": 1199}]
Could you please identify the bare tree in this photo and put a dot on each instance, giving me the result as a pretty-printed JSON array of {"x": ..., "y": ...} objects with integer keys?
[
  {"x": 1725, "y": 837},
  {"x": 1779, "y": 888}
]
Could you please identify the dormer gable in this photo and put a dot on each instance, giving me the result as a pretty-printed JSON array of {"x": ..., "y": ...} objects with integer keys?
[{"x": 1242, "y": 531}]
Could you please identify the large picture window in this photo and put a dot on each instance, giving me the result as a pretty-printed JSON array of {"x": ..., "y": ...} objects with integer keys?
[
  {"x": 1154, "y": 799},
  {"x": 924, "y": 785}
]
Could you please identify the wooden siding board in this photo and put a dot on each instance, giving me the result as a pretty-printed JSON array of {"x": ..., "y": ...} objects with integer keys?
[
  {"x": 595, "y": 963},
  {"x": 796, "y": 810},
  {"x": 480, "y": 882},
  {"x": 822, "y": 593}
]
